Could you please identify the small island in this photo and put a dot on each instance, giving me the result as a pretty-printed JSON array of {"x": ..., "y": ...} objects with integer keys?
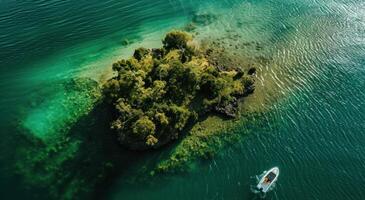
[{"x": 158, "y": 93}]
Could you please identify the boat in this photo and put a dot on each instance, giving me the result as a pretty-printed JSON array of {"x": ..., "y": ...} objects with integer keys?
[{"x": 268, "y": 179}]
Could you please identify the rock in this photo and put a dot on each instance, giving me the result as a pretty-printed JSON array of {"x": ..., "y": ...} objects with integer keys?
[
  {"x": 249, "y": 90},
  {"x": 239, "y": 74},
  {"x": 222, "y": 68},
  {"x": 230, "y": 110},
  {"x": 252, "y": 71}
]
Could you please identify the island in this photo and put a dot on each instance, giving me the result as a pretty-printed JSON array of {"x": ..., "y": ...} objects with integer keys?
[{"x": 159, "y": 93}]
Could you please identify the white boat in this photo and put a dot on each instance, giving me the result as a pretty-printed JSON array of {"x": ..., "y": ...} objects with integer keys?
[{"x": 268, "y": 179}]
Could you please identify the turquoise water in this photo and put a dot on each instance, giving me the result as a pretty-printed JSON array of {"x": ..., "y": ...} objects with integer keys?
[{"x": 312, "y": 89}]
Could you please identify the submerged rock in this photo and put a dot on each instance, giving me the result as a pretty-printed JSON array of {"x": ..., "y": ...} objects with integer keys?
[
  {"x": 249, "y": 90},
  {"x": 125, "y": 42},
  {"x": 204, "y": 18},
  {"x": 252, "y": 71},
  {"x": 189, "y": 27}
]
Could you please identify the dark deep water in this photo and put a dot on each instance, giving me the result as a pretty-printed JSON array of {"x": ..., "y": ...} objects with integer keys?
[{"x": 314, "y": 133}]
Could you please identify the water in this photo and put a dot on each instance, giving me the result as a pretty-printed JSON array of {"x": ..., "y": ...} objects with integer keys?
[{"x": 312, "y": 90}]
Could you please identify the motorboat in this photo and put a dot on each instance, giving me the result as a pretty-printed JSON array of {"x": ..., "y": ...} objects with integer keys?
[{"x": 268, "y": 179}]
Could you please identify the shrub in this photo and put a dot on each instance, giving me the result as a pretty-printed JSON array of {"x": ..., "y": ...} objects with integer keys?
[
  {"x": 176, "y": 40},
  {"x": 140, "y": 53},
  {"x": 143, "y": 127}
]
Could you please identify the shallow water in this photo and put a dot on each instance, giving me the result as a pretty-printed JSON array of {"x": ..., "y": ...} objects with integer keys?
[{"x": 312, "y": 90}]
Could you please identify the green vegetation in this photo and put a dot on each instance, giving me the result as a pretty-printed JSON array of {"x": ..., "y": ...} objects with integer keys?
[
  {"x": 204, "y": 141},
  {"x": 158, "y": 92}
]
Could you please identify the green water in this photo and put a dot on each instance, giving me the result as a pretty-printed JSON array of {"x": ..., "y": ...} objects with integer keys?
[{"x": 55, "y": 137}]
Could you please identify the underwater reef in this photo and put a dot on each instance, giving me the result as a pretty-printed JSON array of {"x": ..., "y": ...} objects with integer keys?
[
  {"x": 158, "y": 93},
  {"x": 52, "y": 156}
]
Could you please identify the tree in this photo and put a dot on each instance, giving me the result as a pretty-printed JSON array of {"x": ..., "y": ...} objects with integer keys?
[
  {"x": 140, "y": 53},
  {"x": 162, "y": 119},
  {"x": 158, "y": 89},
  {"x": 151, "y": 140},
  {"x": 180, "y": 116},
  {"x": 111, "y": 89},
  {"x": 176, "y": 40},
  {"x": 210, "y": 85},
  {"x": 143, "y": 127}
]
